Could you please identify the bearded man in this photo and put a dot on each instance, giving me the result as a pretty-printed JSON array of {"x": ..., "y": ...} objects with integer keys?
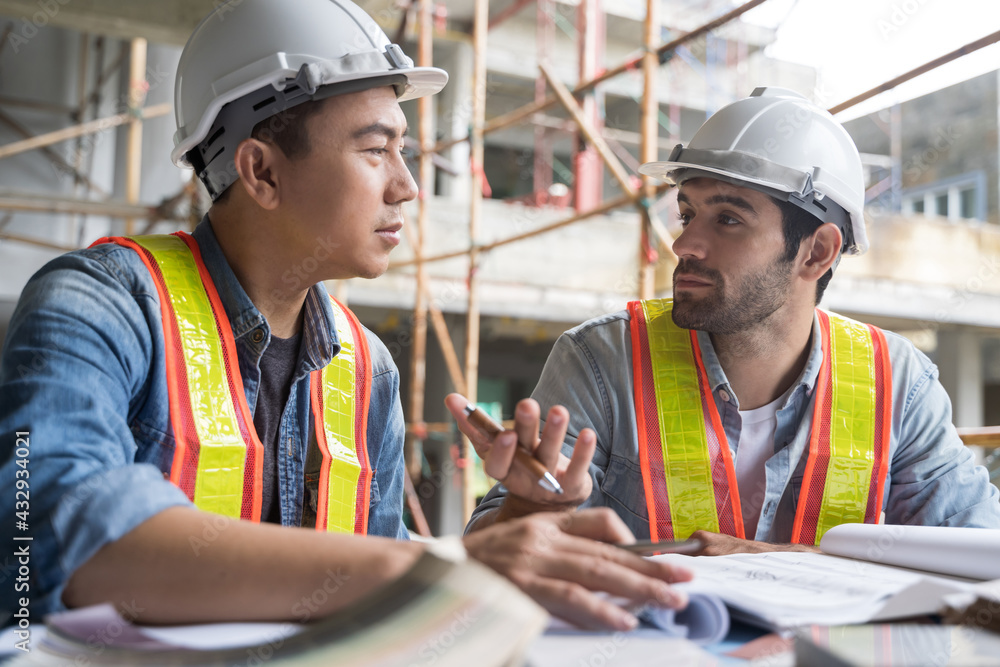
[{"x": 738, "y": 412}]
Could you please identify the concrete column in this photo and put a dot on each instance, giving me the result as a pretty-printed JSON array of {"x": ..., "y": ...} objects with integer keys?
[
  {"x": 455, "y": 101},
  {"x": 960, "y": 360}
]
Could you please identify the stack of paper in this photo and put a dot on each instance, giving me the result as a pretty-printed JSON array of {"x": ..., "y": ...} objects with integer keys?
[
  {"x": 440, "y": 612},
  {"x": 790, "y": 589}
]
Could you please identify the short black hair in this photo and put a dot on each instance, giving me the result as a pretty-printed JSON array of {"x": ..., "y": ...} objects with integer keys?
[
  {"x": 287, "y": 130},
  {"x": 797, "y": 225}
]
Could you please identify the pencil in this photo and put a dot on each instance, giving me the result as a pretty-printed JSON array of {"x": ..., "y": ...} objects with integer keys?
[{"x": 486, "y": 424}]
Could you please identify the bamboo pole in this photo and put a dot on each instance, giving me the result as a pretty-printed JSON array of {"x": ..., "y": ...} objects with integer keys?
[
  {"x": 607, "y": 206},
  {"x": 589, "y": 132},
  {"x": 480, "y": 28},
  {"x": 418, "y": 349},
  {"x": 137, "y": 88},
  {"x": 507, "y": 12},
  {"x": 43, "y": 203},
  {"x": 648, "y": 150},
  {"x": 92, "y": 127},
  {"x": 672, "y": 45},
  {"x": 517, "y": 115},
  {"x": 53, "y": 156},
  {"x": 917, "y": 71},
  {"x": 440, "y": 329},
  {"x": 4, "y": 236},
  {"x": 37, "y": 105}
]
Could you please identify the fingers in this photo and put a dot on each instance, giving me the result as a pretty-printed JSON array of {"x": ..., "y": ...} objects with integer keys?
[
  {"x": 456, "y": 405},
  {"x": 500, "y": 458},
  {"x": 583, "y": 454},
  {"x": 604, "y": 568},
  {"x": 553, "y": 436},
  {"x": 576, "y": 604},
  {"x": 526, "y": 421},
  {"x": 598, "y": 523}
]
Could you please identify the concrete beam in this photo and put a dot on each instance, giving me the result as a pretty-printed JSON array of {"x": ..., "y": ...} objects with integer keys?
[
  {"x": 159, "y": 21},
  {"x": 165, "y": 22}
]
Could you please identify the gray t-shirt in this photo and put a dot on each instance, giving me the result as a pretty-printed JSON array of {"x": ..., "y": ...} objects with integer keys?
[{"x": 277, "y": 367}]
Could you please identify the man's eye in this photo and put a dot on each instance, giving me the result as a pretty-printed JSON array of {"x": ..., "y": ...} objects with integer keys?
[
  {"x": 408, "y": 153},
  {"x": 684, "y": 219},
  {"x": 728, "y": 220}
]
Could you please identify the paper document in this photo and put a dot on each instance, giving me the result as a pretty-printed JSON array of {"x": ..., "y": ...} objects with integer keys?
[
  {"x": 963, "y": 552},
  {"x": 788, "y": 589}
]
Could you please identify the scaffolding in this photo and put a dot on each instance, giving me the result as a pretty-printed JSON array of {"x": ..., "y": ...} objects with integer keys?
[{"x": 580, "y": 103}]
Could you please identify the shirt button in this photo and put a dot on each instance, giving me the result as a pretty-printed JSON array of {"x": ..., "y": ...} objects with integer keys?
[
  {"x": 724, "y": 395},
  {"x": 257, "y": 336}
]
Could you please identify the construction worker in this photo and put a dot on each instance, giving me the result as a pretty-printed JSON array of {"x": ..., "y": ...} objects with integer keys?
[
  {"x": 738, "y": 412},
  {"x": 186, "y": 400}
]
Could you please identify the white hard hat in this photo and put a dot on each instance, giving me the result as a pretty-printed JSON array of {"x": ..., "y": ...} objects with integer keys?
[
  {"x": 778, "y": 142},
  {"x": 251, "y": 59}
]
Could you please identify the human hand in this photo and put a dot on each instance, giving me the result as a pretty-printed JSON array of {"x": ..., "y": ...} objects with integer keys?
[
  {"x": 717, "y": 544},
  {"x": 525, "y": 494},
  {"x": 556, "y": 559}
]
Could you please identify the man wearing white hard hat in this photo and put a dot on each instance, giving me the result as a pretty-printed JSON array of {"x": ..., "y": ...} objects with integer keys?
[
  {"x": 210, "y": 433},
  {"x": 738, "y": 412}
]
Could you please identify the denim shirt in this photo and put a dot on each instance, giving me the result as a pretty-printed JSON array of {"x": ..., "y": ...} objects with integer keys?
[
  {"x": 83, "y": 372},
  {"x": 932, "y": 478}
]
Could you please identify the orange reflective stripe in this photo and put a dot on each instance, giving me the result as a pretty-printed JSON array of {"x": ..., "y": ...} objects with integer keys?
[
  {"x": 362, "y": 383},
  {"x": 849, "y": 444},
  {"x": 847, "y": 460},
  {"x": 185, "y": 438},
  {"x": 253, "y": 470},
  {"x": 218, "y": 484},
  {"x": 339, "y": 396},
  {"x": 687, "y": 469},
  {"x": 650, "y": 459},
  {"x": 727, "y": 497},
  {"x": 873, "y": 512}
]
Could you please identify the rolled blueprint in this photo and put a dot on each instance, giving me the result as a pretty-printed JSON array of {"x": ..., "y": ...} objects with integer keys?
[
  {"x": 704, "y": 621},
  {"x": 963, "y": 552}
]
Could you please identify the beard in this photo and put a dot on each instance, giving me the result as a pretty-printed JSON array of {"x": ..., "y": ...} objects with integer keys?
[{"x": 753, "y": 299}]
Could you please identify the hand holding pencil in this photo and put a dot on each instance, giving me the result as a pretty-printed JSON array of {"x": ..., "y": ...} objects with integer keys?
[{"x": 530, "y": 465}]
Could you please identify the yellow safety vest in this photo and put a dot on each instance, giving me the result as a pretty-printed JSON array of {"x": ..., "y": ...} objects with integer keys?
[
  {"x": 217, "y": 455},
  {"x": 687, "y": 468}
]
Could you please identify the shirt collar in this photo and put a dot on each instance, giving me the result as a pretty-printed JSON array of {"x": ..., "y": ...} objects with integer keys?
[
  {"x": 319, "y": 332},
  {"x": 717, "y": 377}
]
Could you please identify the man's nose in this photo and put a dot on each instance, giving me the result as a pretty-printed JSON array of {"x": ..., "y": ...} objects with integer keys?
[
  {"x": 691, "y": 242},
  {"x": 402, "y": 188}
]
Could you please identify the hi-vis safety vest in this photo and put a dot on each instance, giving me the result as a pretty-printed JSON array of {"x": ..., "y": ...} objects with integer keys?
[
  {"x": 218, "y": 457},
  {"x": 687, "y": 468}
]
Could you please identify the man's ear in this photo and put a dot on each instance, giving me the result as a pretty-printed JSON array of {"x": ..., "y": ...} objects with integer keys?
[
  {"x": 256, "y": 164},
  {"x": 821, "y": 251}
]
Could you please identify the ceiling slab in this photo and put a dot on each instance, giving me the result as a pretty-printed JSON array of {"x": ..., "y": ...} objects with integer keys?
[{"x": 163, "y": 22}]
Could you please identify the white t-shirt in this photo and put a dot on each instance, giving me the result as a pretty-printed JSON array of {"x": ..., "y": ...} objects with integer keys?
[{"x": 755, "y": 447}]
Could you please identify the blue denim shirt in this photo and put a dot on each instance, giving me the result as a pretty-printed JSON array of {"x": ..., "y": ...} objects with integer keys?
[
  {"x": 83, "y": 372},
  {"x": 932, "y": 479}
]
